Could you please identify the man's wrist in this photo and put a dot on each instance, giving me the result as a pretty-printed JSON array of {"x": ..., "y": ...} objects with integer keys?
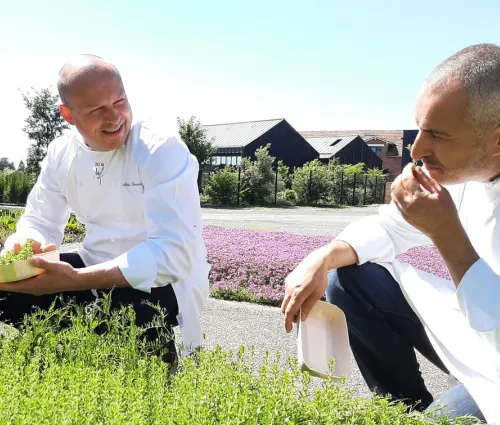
[
  {"x": 457, "y": 251},
  {"x": 101, "y": 276},
  {"x": 338, "y": 254}
]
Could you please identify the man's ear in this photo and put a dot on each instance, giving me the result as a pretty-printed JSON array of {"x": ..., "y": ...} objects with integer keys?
[{"x": 66, "y": 114}]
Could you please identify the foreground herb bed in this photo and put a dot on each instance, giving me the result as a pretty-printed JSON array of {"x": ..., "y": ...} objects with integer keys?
[{"x": 58, "y": 369}]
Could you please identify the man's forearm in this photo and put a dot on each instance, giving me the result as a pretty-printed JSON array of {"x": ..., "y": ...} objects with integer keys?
[
  {"x": 457, "y": 251},
  {"x": 101, "y": 276},
  {"x": 339, "y": 254}
]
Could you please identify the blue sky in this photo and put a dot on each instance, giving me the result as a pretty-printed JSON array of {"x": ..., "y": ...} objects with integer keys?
[{"x": 320, "y": 64}]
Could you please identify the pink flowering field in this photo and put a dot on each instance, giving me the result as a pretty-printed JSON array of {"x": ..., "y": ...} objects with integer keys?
[{"x": 251, "y": 265}]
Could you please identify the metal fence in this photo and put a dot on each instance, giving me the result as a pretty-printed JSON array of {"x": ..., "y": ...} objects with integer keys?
[{"x": 344, "y": 189}]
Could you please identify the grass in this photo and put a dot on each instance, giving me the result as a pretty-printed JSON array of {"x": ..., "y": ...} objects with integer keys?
[{"x": 59, "y": 369}]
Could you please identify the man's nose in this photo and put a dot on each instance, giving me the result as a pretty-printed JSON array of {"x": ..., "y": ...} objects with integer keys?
[{"x": 422, "y": 146}]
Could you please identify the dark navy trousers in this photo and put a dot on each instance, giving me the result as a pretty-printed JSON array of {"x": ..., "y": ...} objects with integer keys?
[{"x": 384, "y": 333}]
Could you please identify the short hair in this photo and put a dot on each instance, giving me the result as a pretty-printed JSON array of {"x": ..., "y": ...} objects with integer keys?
[
  {"x": 73, "y": 68},
  {"x": 477, "y": 68}
]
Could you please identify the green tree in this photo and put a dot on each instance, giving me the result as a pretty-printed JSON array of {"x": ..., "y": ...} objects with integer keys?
[
  {"x": 258, "y": 177},
  {"x": 194, "y": 136},
  {"x": 21, "y": 166},
  {"x": 43, "y": 124},
  {"x": 5, "y": 164}
]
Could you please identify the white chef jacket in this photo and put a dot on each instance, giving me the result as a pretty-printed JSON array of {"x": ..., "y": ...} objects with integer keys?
[
  {"x": 463, "y": 324},
  {"x": 141, "y": 209}
]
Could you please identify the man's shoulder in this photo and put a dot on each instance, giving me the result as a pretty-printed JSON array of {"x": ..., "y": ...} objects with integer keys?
[
  {"x": 62, "y": 144},
  {"x": 150, "y": 138}
]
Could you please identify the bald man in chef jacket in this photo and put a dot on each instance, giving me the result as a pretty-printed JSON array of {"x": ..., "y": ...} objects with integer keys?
[{"x": 136, "y": 193}]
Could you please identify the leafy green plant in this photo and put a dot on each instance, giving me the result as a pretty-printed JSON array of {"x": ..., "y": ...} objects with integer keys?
[
  {"x": 222, "y": 188},
  {"x": 25, "y": 253},
  {"x": 409, "y": 147},
  {"x": 91, "y": 365}
]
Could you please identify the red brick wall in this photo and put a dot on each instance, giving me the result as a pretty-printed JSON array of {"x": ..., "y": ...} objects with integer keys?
[
  {"x": 387, "y": 199},
  {"x": 393, "y": 165}
]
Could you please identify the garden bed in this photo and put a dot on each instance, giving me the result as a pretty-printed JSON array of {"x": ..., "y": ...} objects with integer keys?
[
  {"x": 57, "y": 370},
  {"x": 251, "y": 265}
]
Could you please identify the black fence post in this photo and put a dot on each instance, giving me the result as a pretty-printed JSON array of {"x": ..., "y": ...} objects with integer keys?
[
  {"x": 383, "y": 196},
  {"x": 200, "y": 177},
  {"x": 341, "y": 187},
  {"x": 354, "y": 190},
  {"x": 310, "y": 186},
  {"x": 364, "y": 195},
  {"x": 276, "y": 187},
  {"x": 239, "y": 179}
]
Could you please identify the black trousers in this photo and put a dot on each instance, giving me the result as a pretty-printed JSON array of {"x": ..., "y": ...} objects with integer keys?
[
  {"x": 383, "y": 332},
  {"x": 13, "y": 306}
]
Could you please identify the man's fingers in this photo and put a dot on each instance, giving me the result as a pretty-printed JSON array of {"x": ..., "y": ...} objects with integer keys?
[
  {"x": 427, "y": 182},
  {"x": 290, "y": 313},
  {"x": 49, "y": 247},
  {"x": 308, "y": 305},
  {"x": 396, "y": 201},
  {"x": 285, "y": 303},
  {"x": 409, "y": 181}
]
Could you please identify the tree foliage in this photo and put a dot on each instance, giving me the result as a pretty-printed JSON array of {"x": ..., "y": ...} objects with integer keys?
[
  {"x": 43, "y": 124},
  {"x": 194, "y": 136}
]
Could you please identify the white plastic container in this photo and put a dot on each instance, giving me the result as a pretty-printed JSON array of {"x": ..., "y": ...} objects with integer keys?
[
  {"x": 321, "y": 337},
  {"x": 20, "y": 270}
]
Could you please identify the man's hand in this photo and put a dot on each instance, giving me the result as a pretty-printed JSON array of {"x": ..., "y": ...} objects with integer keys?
[
  {"x": 15, "y": 242},
  {"x": 433, "y": 212},
  {"x": 57, "y": 277},
  {"x": 304, "y": 287},
  {"x": 424, "y": 203}
]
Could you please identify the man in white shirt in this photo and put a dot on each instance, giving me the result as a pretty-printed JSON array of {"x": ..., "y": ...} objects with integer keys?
[
  {"x": 136, "y": 193},
  {"x": 452, "y": 202}
]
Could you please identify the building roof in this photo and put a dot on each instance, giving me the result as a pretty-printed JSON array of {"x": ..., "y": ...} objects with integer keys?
[
  {"x": 392, "y": 136},
  {"x": 238, "y": 134},
  {"x": 329, "y": 146}
]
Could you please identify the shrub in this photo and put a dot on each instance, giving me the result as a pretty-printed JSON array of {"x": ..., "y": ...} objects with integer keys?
[
  {"x": 258, "y": 178},
  {"x": 311, "y": 183},
  {"x": 15, "y": 187},
  {"x": 222, "y": 188},
  {"x": 287, "y": 197}
]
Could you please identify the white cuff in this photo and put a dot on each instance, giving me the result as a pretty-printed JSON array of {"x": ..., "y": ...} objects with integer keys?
[
  {"x": 369, "y": 240},
  {"x": 138, "y": 266}
]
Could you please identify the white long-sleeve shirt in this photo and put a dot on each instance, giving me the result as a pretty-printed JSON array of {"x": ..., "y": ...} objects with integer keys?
[
  {"x": 463, "y": 324},
  {"x": 141, "y": 209}
]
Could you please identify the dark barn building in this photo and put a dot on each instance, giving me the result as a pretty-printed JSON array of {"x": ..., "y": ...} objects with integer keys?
[
  {"x": 240, "y": 140},
  {"x": 347, "y": 149}
]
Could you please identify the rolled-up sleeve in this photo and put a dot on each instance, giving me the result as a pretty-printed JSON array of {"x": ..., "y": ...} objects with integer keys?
[
  {"x": 173, "y": 219},
  {"x": 380, "y": 238},
  {"x": 478, "y": 296},
  {"x": 47, "y": 211}
]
